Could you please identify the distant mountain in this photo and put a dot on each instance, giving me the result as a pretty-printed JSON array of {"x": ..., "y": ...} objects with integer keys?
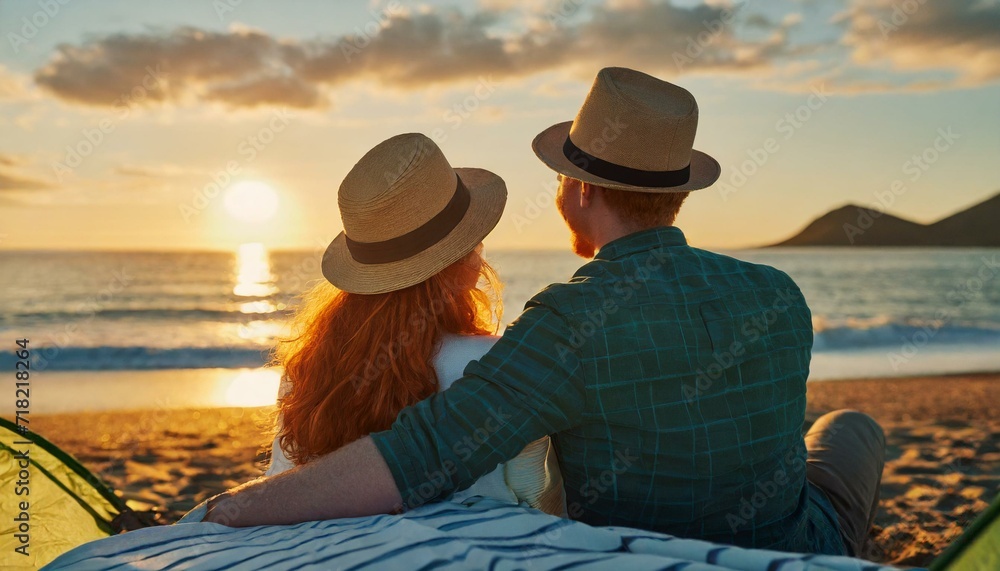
[
  {"x": 976, "y": 226},
  {"x": 853, "y": 225}
]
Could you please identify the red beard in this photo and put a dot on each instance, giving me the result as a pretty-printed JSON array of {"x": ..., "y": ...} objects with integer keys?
[{"x": 581, "y": 246}]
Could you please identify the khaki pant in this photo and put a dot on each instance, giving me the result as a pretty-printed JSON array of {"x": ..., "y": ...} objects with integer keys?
[{"x": 846, "y": 454}]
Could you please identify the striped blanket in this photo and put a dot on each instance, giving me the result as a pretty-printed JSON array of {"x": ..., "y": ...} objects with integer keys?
[{"x": 479, "y": 534}]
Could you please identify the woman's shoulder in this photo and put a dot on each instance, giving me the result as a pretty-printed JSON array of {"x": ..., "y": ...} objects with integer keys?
[
  {"x": 456, "y": 351},
  {"x": 459, "y": 344}
]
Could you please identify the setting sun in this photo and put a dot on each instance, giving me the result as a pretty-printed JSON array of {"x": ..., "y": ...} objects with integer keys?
[{"x": 252, "y": 201}]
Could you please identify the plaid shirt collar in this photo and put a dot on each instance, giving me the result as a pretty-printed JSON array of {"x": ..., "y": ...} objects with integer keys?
[{"x": 644, "y": 240}]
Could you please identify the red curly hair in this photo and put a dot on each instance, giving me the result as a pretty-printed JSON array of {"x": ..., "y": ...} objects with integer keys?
[{"x": 356, "y": 360}]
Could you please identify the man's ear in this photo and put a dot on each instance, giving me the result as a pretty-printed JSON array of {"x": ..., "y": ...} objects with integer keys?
[{"x": 587, "y": 194}]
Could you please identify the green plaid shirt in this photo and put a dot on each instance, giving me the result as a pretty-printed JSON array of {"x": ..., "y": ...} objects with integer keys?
[{"x": 673, "y": 383}]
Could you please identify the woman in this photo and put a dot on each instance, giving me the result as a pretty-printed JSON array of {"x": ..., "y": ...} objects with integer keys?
[{"x": 410, "y": 301}]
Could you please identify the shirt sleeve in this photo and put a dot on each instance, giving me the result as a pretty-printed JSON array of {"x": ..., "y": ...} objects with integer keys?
[
  {"x": 279, "y": 462},
  {"x": 527, "y": 386}
]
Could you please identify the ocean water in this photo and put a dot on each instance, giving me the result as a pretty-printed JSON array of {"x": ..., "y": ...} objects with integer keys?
[{"x": 876, "y": 312}]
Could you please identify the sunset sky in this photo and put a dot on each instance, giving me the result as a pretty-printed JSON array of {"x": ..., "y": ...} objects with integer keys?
[{"x": 123, "y": 125}]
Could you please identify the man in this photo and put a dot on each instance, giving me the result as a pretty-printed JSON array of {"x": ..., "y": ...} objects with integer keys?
[{"x": 671, "y": 379}]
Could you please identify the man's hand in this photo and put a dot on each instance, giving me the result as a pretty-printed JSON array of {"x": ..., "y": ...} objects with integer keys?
[{"x": 353, "y": 481}]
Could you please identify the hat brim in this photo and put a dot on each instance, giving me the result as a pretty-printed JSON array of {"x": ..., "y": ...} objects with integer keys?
[
  {"x": 488, "y": 195},
  {"x": 548, "y": 146}
]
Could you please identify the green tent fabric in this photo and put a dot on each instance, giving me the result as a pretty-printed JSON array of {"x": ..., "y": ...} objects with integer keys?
[
  {"x": 976, "y": 549},
  {"x": 68, "y": 505}
]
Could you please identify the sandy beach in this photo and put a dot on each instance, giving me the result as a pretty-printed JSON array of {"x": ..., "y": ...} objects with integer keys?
[
  {"x": 943, "y": 456},
  {"x": 943, "y": 466}
]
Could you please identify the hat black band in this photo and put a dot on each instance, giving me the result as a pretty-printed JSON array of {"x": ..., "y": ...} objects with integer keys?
[
  {"x": 418, "y": 240},
  {"x": 623, "y": 174}
]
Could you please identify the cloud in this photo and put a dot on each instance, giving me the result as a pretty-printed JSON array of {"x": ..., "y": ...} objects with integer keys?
[
  {"x": 246, "y": 68},
  {"x": 12, "y": 86},
  {"x": 439, "y": 47},
  {"x": 10, "y": 160},
  {"x": 414, "y": 50},
  {"x": 10, "y": 183},
  {"x": 289, "y": 90},
  {"x": 908, "y": 46},
  {"x": 958, "y": 37},
  {"x": 670, "y": 40},
  {"x": 157, "y": 171},
  {"x": 161, "y": 66}
]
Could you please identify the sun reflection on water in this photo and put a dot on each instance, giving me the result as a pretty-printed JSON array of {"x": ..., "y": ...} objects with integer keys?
[
  {"x": 256, "y": 387},
  {"x": 254, "y": 278}
]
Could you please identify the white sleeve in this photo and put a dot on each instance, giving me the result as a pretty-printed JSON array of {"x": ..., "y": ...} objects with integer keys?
[
  {"x": 532, "y": 476},
  {"x": 279, "y": 462}
]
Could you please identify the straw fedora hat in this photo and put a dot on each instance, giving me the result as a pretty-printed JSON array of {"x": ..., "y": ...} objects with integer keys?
[
  {"x": 634, "y": 132},
  {"x": 408, "y": 215}
]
